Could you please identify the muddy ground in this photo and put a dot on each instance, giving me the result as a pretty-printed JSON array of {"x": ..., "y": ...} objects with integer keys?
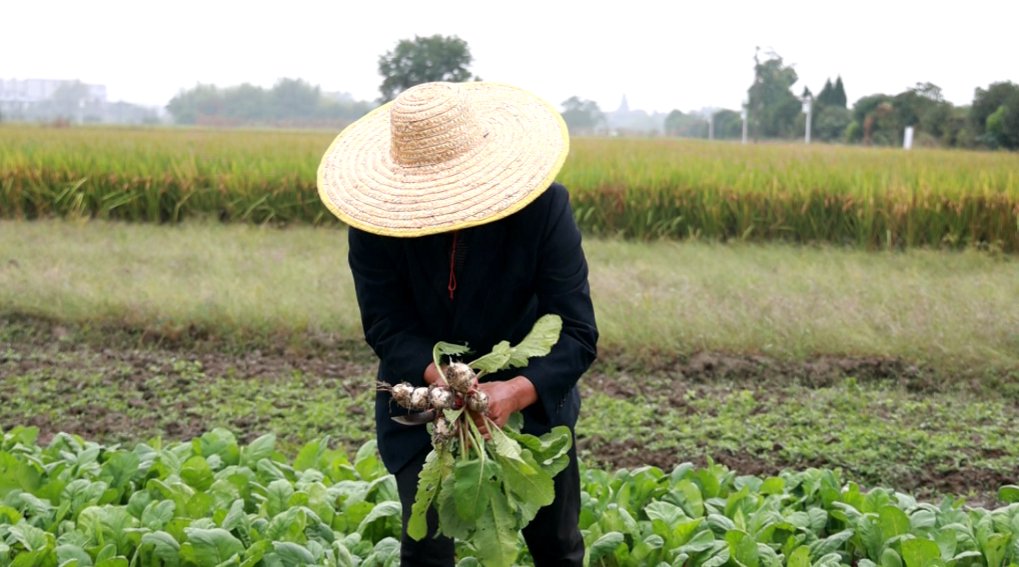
[{"x": 70, "y": 360}]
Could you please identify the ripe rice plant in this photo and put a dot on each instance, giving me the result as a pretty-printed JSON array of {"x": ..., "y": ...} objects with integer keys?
[
  {"x": 846, "y": 195},
  {"x": 632, "y": 188}
]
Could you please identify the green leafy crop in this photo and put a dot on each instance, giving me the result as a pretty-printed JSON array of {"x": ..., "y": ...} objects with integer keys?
[
  {"x": 213, "y": 501},
  {"x": 486, "y": 490}
]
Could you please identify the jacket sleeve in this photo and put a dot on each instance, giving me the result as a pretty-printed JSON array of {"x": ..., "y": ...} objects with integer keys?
[
  {"x": 391, "y": 325},
  {"x": 562, "y": 289}
]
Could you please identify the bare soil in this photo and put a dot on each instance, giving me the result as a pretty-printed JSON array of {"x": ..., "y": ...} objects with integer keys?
[{"x": 127, "y": 359}]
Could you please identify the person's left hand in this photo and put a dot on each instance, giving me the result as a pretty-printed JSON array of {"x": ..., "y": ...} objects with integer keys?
[{"x": 504, "y": 398}]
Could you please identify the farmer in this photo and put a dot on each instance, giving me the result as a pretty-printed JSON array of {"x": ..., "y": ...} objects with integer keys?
[{"x": 458, "y": 233}]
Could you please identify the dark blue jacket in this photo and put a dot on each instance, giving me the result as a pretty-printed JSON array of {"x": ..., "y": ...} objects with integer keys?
[{"x": 477, "y": 286}]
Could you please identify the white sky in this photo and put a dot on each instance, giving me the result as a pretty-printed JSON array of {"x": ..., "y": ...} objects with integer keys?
[{"x": 661, "y": 55}]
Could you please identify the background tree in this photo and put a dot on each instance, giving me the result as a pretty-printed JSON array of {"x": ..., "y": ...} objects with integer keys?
[
  {"x": 294, "y": 99},
  {"x": 685, "y": 125},
  {"x": 188, "y": 107},
  {"x": 868, "y": 113},
  {"x": 290, "y": 102},
  {"x": 881, "y": 119},
  {"x": 245, "y": 103},
  {"x": 582, "y": 116},
  {"x": 423, "y": 60},
  {"x": 839, "y": 96},
  {"x": 995, "y": 115},
  {"x": 772, "y": 106},
  {"x": 830, "y": 123},
  {"x": 832, "y": 94},
  {"x": 728, "y": 125},
  {"x": 831, "y": 118},
  {"x": 825, "y": 97}
]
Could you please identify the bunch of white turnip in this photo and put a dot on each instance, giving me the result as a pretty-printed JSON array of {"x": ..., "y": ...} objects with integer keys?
[{"x": 484, "y": 488}]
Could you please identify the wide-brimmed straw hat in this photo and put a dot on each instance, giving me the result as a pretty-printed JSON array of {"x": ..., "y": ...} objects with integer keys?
[{"x": 441, "y": 157}]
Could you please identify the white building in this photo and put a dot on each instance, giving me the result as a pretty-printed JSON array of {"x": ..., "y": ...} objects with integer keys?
[{"x": 20, "y": 96}]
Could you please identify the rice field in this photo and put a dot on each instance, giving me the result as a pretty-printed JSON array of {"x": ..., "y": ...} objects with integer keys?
[{"x": 645, "y": 189}]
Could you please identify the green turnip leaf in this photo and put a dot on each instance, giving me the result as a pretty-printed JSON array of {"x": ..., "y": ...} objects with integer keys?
[
  {"x": 494, "y": 361},
  {"x": 472, "y": 480},
  {"x": 551, "y": 450},
  {"x": 530, "y": 487},
  {"x": 438, "y": 465},
  {"x": 503, "y": 445},
  {"x": 539, "y": 341},
  {"x": 496, "y": 535},
  {"x": 450, "y": 523}
]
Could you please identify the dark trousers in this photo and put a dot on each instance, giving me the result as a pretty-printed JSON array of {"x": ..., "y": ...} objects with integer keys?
[{"x": 553, "y": 537}]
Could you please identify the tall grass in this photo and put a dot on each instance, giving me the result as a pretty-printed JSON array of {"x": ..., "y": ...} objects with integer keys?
[
  {"x": 951, "y": 311},
  {"x": 867, "y": 197}
]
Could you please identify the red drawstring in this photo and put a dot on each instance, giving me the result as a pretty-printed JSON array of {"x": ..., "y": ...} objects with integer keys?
[{"x": 452, "y": 271}]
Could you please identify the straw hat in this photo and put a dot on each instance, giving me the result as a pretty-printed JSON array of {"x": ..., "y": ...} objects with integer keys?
[{"x": 441, "y": 157}]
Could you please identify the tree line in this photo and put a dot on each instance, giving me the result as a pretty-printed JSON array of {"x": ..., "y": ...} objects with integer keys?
[
  {"x": 992, "y": 120},
  {"x": 290, "y": 102},
  {"x": 773, "y": 110}
]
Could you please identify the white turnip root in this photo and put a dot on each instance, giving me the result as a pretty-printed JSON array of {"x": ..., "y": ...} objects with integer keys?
[
  {"x": 444, "y": 431},
  {"x": 402, "y": 393},
  {"x": 441, "y": 398},
  {"x": 477, "y": 402},
  {"x": 419, "y": 399},
  {"x": 461, "y": 377},
  {"x": 430, "y": 397}
]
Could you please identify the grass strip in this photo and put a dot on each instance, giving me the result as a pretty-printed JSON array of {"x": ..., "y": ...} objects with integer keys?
[{"x": 952, "y": 313}]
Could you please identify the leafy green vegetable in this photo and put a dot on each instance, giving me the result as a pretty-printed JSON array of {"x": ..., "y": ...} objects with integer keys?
[
  {"x": 437, "y": 466},
  {"x": 485, "y": 491},
  {"x": 261, "y": 509},
  {"x": 538, "y": 342}
]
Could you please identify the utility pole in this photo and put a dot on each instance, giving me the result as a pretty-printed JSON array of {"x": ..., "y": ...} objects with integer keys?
[
  {"x": 807, "y": 100},
  {"x": 743, "y": 115}
]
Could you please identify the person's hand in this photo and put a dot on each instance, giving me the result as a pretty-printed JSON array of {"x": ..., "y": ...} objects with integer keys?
[
  {"x": 505, "y": 398},
  {"x": 432, "y": 375}
]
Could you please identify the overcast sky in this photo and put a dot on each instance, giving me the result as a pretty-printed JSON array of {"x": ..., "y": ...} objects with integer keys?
[{"x": 661, "y": 55}]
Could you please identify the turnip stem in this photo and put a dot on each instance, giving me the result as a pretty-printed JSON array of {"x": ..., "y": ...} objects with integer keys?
[
  {"x": 491, "y": 424},
  {"x": 479, "y": 441}
]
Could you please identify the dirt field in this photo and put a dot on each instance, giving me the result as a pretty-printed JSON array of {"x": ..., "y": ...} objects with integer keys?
[{"x": 755, "y": 415}]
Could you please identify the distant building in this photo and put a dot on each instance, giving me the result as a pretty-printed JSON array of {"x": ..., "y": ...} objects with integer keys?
[
  {"x": 33, "y": 100},
  {"x": 625, "y": 121},
  {"x": 17, "y": 97}
]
